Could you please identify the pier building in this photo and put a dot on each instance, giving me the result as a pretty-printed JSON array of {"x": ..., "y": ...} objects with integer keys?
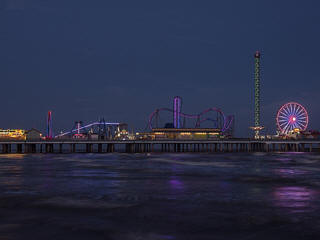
[
  {"x": 33, "y": 135},
  {"x": 14, "y": 134},
  {"x": 182, "y": 134}
]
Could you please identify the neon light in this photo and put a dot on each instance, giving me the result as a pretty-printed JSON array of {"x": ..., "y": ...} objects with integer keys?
[
  {"x": 176, "y": 111},
  {"x": 89, "y": 125},
  {"x": 292, "y": 116},
  {"x": 78, "y": 128},
  {"x": 226, "y": 123},
  {"x": 257, "y": 93},
  {"x": 49, "y": 125}
]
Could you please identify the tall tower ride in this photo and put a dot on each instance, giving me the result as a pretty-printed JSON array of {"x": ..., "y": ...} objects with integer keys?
[
  {"x": 177, "y": 102},
  {"x": 49, "y": 126},
  {"x": 257, "y": 90},
  {"x": 257, "y": 128}
]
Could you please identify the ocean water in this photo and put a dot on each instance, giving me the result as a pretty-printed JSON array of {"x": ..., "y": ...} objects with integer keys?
[{"x": 160, "y": 196}]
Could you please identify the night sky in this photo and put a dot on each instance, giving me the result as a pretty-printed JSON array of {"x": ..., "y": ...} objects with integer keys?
[{"x": 121, "y": 59}]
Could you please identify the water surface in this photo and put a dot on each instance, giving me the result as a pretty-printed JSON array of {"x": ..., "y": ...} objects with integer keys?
[{"x": 160, "y": 196}]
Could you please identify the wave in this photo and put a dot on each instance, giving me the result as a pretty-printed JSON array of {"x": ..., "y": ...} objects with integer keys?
[{"x": 64, "y": 202}]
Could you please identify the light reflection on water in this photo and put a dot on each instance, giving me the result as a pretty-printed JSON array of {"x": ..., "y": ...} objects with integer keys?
[
  {"x": 11, "y": 176},
  {"x": 294, "y": 197},
  {"x": 13, "y": 156},
  {"x": 289, "y": 172},
  {"x": 176, "y": 184}
]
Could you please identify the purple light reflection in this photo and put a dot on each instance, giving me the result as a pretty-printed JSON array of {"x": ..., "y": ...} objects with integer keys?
[
  {"x": 287, "y": 172},
  {"x": 176, "y": 184},
  {"x": 293, "y": 197},
  {"x": 284, "y": 159}
]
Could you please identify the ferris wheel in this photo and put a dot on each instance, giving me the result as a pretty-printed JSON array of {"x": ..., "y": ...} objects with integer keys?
[{"x": 292, "y": 116}]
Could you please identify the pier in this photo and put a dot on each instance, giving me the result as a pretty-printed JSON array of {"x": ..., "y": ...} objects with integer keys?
[{"x": 158, "y": 146}]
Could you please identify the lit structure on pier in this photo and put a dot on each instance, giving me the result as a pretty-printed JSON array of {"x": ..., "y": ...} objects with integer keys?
[
  {"x": 257, "y": 128},
  {"x": 181, "y": 134},
  {"x": 49, "y": 126},
  {"x": 101, "y": 130},
  {"x": 220, "y": 125},
  {"x": 292, "y": 116},
  {"x": 177, "y": 104},
  {"x": 13, "y": 134},
  {"x": 80, "y": 131}
]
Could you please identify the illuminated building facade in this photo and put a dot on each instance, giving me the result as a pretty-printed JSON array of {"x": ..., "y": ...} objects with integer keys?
[
  {"x": 181, "y": 134},
  {"x": 12, "y": 134}
]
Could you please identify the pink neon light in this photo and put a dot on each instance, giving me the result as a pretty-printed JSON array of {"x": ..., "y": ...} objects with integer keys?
[
  {"x": 176, "y": 111},
  {"x": 293, "y": 119},
  {"x": 226, "y": 124},
  {"x": 292, "y": 115},
  {"x": 49, "y": 125}
]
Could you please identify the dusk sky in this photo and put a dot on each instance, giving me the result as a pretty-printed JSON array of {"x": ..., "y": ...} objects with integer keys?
[{"x": 122, "y": 59}]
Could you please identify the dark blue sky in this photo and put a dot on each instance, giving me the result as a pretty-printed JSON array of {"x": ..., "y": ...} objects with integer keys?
[{"x": 122, "y": 59}]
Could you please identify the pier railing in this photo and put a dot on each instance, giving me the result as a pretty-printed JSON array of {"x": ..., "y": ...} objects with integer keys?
[{"x": 143, "y": 146}]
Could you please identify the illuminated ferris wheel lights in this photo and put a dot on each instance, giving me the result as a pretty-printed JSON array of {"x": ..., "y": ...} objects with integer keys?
[
  {"x": 292, "y": 116},
  {"x": 293, "y": 119}
]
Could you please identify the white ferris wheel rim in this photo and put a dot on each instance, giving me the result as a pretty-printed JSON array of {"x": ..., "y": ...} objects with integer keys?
[{"x": 290, "y": 116}]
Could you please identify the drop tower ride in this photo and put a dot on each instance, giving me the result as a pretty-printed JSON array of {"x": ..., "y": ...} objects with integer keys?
[{"x": 257, "y": 128}]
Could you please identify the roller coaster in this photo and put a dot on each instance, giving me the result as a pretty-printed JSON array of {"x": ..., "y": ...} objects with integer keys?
[
  {"x": 106, "y": 130},
  {"x": 102, "y": 129},
  {"x": 220, "y": 121}
]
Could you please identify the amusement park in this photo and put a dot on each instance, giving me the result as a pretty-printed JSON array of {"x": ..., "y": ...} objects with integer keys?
[
  {"x": 291, "y": 119},
  {"x": 165, "y": 123}
]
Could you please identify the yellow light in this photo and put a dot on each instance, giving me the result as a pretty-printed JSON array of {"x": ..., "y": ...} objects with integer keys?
[
  {"x": 296, "y": 130},
  {"x": 12, "y": 133},
  {"x": 185, "y": 133}
]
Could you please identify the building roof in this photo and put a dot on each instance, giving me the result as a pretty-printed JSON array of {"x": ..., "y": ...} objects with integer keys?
[
  {"x": 33, "y": 130},
  {"x": 186, "y": 130}
]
